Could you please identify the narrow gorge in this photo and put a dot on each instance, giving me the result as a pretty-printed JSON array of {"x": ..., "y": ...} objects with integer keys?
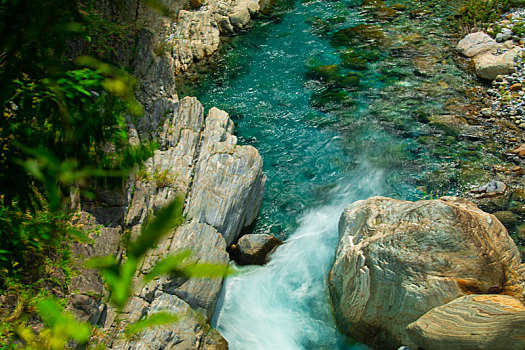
[{"x": 362, "y": 176}]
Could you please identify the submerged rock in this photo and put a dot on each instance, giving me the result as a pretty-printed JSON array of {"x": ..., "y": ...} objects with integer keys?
[
  {"x": 355, "y": 63},
  {"x": 450, "y": 124},
  {"x": 397, "y": 260},
  {"x": 386, "y": 13},
  {"x": 472, "y": 322},
  {"x": 363, "y": 32},
  {"x": 254, "y": 249},
  {"x": 425, "y": 65}
]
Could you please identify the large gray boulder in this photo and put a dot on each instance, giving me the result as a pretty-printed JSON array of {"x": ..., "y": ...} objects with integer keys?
[{"x": 397, "y": 260}]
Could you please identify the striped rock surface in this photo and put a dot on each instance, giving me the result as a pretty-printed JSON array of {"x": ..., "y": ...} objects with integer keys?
[
  {"x": 472, "y": 322},
  {"x": 396, "y": 260}
]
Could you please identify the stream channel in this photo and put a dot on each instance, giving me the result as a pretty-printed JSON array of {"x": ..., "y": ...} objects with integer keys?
[{"x": 340, "y": 100}]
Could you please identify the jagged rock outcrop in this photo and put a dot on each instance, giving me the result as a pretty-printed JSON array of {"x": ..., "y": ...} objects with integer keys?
[
  {"x": 229, "y": 183},
  {"x": 397, "y": 260},
  {"x": 225, "y": 184},
  {"x": 196, "y": 34},
  {"x": 472, "y": 322},
  {"x": 254, "y": 249},
  {"x": 157, "y": 47}
]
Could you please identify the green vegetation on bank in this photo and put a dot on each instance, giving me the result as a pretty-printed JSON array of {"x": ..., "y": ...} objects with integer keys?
[
  {"x": 66, "y": 109},
  {"x": 482, "y": 12},
  {"x": 64, "y": 127},
  {"x": 64, "y": 124}
]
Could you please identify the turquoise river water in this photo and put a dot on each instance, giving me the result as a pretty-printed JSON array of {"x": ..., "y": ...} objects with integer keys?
[{"x": 337, "y": 116}]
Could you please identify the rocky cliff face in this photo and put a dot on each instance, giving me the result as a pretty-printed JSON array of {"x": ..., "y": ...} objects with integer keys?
[
  {"x": 223, "y": 184},
  {"x": 396, "y": 261},
  {"x": 164, "y": 45},
  {"x": 199, "y": 158}
]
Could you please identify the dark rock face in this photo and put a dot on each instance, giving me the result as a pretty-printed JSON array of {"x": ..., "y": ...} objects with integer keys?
[{"x": 254, "y": 249}]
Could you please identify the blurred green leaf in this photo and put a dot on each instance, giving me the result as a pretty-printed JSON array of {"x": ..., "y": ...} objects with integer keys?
[
  {"x": 206, "y": 270},
  {"x": 156, "y": 319},
  {"x": 169, "y": 265},
  {"x": 165, "y": 220},
  {"x": 101, "y": 262},
  {"x": 158, "y": 6},
  {"x": 62, "y": 327}
]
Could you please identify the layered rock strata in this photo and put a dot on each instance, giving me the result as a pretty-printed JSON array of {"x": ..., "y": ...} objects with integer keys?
[
  {"x": 159, "y": 46},
  {"x": 223, "y": 184},
  {"x": 472, "y": 322},
  {"x": 398, "y": 260}
]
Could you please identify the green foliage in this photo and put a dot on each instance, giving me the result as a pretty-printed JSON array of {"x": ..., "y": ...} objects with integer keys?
[
  {"x": 518, "y": 29},
  {"x": 157, "y": 319},
  {"x": 64, "y": 122},
  {"x": 160, "y": 178},
  {"x": 484, "y": 12},
  {"x": 27, "y": 237},
  {"x": 61, "y": 327}
]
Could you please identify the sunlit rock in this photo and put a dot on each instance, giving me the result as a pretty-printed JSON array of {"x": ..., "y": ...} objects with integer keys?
[
  {"x": 472, "y": 322},
  {"x": 489, "y": 66},
  {"x": 397, "y": 260},
  {"x": 476, "y": 43}
]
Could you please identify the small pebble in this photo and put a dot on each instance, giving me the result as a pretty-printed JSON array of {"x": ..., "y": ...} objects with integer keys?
[{"x": 486, "y": 112}]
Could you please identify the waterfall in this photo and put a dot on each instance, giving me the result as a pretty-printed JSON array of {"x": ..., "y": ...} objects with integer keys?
[{"x": 285, "y": 304}]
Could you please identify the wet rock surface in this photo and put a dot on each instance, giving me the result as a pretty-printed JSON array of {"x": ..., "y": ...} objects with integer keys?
[
  {"x": 254, "y": 249},
  {"x": 398, "y": 260}
]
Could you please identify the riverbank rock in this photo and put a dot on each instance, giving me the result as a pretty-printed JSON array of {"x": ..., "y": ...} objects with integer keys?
[
  {"x": 489, "y": 66},
  {"x": 228, "y": 187},
  {"x": 490, "y": 57},
  {"x": 472, "y": 322},
  {"x": 254, "y": 249},
  {"x": 476, "y": 43},
  {"x": 223, "y": 184},
  {"x": 397, "y": 260},
  {"x": 196, "y": 34}
]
